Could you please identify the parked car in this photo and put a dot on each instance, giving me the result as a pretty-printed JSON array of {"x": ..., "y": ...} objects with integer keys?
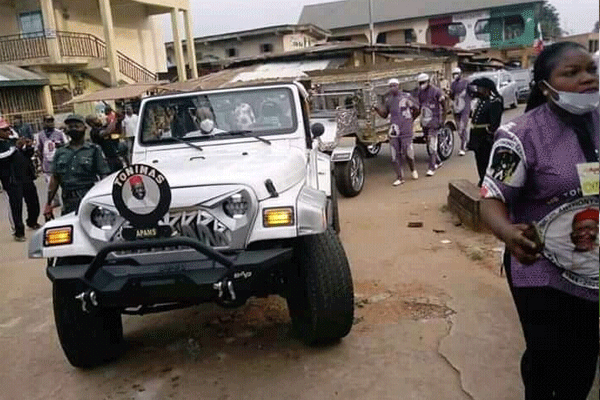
[
  {"x": 207, "y": 212},
  {"x": 506, "y": 84},
  {"x": 523, "y": 78}
]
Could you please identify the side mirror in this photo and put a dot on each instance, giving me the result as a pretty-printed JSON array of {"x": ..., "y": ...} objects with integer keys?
[{"x": 317, "y": 129}]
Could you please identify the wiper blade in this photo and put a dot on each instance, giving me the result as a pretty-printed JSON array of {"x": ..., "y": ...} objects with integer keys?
[
  {"x": 248, "y": 133},
  {"x": 175, "y": 138}
]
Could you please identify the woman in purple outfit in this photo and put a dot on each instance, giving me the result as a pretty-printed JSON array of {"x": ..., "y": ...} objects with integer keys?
[{"x": 535, "y": 187}]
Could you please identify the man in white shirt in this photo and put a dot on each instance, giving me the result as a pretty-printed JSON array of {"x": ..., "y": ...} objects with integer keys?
[{"x": 130, "y": 125}]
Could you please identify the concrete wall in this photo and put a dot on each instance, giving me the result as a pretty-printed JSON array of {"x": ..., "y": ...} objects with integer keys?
[{"x": 138, "y": 35}]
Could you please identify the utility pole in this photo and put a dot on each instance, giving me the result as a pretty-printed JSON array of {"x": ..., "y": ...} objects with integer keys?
[{"x": 372, "y": 30}]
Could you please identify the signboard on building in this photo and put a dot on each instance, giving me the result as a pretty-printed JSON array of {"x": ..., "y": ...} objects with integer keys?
[{"x": 297, "y": 41}]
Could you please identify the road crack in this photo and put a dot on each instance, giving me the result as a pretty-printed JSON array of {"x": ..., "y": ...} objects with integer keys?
[{"x": 450, "y": 325}]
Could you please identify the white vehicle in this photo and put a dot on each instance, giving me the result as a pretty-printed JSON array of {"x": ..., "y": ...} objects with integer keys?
[
  {"x": 505, "y": 83},
  {"x": 209, "y": 211}
]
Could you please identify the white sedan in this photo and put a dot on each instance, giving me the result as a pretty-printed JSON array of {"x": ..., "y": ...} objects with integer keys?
[{"x": 506, "y": 84}]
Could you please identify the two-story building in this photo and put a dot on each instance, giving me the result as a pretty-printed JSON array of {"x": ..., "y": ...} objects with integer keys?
[
  {"x": 504, "y": 29},
  {"x": 217, "y": 50},
  {"x": 76, "y": 47}
]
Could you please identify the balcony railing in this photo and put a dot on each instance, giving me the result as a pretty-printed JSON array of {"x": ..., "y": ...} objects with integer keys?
[
  {"x": 23, "y": 47},
  {"x": 20, "y": 47}
]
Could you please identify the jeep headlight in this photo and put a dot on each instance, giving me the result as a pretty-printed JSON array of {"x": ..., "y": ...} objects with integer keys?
[
  {"x": 103, "y": 218},
  {"x": 235, "y": 206}
]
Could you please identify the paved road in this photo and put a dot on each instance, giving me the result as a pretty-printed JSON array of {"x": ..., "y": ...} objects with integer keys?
[{"x": 434, "y": 320}]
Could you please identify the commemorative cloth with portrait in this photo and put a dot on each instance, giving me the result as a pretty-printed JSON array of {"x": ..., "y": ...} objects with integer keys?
[{"x": 539, "y": 170}]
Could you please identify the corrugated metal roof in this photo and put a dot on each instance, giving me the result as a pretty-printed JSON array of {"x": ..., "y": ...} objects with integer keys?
[
  {"x": 341, "y": 14},
  {"x": 11, "y": 75},
  {"x": 116, "y": 93}
]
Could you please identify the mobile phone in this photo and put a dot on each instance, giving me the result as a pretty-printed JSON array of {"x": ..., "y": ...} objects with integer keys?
[{"x": 534, "y": 233}]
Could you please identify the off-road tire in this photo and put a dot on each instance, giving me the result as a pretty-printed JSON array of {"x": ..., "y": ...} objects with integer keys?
[
  {"x": 350, "y": 175},
  {"x": 321, "y": 302},
  {"x": 87, "y": 339}
]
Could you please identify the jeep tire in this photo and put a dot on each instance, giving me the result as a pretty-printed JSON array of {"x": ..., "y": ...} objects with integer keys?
[
  {"x": 321, "y": 302},
  {"x": 87, "y": 339},
  {"x": 350, "y": 175}
]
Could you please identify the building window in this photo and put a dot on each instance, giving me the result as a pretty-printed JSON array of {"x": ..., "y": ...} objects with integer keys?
[
  {"x": 231, "y": 52},
  {"x": 381, "y": 38},
  {"x": 514, "y": 26},
  {"x": 31, "y": 23},
  {"x": 506, "y": 28},
  {"x": 266, "y": 48},
  {"x": 410, "y": 36},
  {"x": 457, "y": 30}
]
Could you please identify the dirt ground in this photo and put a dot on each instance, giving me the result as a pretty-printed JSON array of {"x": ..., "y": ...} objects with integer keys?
[{"x": 433, "y": 319}]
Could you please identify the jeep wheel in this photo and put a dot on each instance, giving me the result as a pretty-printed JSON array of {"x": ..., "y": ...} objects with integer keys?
[
  {"x": 88, "y": 339},
  {"x": 321, "y": 303},
  {"x": 350, "y": 176},
  {"x": 370, "y": 150}
]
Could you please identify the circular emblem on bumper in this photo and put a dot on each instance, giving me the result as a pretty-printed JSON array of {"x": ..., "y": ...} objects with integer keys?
[{"x": 141, "y": 194}]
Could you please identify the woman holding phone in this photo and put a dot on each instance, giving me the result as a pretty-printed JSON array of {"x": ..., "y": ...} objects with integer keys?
[{"x": 536, "y": 186}]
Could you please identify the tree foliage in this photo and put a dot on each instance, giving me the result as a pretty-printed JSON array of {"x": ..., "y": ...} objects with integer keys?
[{"x": 549, "y": 22}]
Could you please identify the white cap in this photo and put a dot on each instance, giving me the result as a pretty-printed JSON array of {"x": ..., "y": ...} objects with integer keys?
[
  {"x": 393, "y": 81},
  {"x": 423, "y": 78},
  {"x": 456, "y": 71}
]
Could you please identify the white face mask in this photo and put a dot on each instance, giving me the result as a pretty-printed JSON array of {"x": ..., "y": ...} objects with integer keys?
[
  {"x": 455, "y": 76},
  {"x": 576, "y": 103},
  {"x": 207, "y": 125},
  {"x": 423, "y": 85}
]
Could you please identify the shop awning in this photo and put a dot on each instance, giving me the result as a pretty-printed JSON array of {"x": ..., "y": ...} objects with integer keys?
[{"x": 13, "y": 76}]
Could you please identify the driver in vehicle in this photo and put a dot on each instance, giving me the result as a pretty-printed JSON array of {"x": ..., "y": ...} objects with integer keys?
[{"x": 205, "y": 121}]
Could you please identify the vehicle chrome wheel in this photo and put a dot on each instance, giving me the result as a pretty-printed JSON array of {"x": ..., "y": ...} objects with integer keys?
[
  {"x": 357, "y": 172},
  {"x": 350, "y": 175},
  {"x": 445, "y": 143}
]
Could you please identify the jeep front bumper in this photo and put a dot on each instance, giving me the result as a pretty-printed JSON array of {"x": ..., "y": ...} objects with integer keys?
[{"x": 173, "y": 279}]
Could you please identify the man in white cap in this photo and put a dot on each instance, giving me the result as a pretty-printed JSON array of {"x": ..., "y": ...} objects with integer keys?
[
  {"x": 461, "y": 104},
  {"x": 433, "y": 112},
  {"x": 402, "y": 109}
]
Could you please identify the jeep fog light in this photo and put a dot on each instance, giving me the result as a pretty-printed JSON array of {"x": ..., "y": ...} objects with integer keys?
[
  {"x": 103, "y": 218},
  {"x": 235, "y": 206},
  {"x": 58, "y": 236},
  {"x": 278, "y": 217}
]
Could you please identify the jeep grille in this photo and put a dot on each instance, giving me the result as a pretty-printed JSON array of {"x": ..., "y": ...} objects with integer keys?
[{"x": 200, "y": 225}]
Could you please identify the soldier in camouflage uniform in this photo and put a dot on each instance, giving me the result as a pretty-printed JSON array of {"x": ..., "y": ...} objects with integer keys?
[{"x": 76, "y": 167}]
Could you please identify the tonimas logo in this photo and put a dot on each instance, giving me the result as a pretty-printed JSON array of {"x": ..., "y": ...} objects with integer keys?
[{"x": 142, "y": 195}]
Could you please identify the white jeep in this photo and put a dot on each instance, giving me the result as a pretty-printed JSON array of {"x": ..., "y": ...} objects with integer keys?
[{"x": 219, "y": 209}]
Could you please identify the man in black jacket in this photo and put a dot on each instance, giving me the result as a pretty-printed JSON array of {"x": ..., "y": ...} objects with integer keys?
[{"x": 17, "y": 176}]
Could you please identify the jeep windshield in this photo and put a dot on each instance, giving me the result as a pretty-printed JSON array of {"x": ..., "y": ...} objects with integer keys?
[{"x": 219, "y": 116}]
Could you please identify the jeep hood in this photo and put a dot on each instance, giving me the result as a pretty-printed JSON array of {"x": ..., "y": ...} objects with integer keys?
[{"x": 285, "y": 167}]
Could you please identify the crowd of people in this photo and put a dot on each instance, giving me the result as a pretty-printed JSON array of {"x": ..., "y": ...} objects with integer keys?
[{"x": 67, "y": 161}]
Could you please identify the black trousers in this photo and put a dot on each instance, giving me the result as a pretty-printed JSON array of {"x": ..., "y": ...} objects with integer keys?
[
  {"x": 17, "y": 192},
  {"x": 482, "y": 157},
  {"x": 561, "y": 335}
]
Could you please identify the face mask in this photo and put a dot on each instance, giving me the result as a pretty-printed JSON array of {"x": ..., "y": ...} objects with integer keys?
[
  {"x": 423, "y": 85},
  {"x": 75, "y": 134},
  {"x": 207, "y": 125},
  {"x": 576, "y": 103},
  {"x": 394, "y": 90},
  {"x": 455, "y": 76}
]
